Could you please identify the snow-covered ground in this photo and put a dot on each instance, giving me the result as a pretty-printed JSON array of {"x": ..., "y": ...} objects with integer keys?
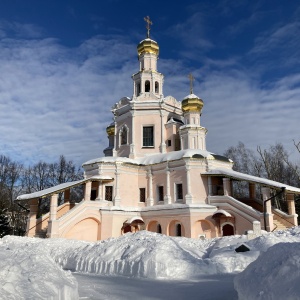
[{"x": 156, "y": 265}]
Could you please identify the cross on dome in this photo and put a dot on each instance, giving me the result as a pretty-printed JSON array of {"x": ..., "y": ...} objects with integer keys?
[
  {"x": 191, "y": 78},
  {"x": 149, "y": 22}
]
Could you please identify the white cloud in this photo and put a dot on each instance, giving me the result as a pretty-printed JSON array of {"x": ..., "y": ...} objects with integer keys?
[{"x": 56, "y": 100}]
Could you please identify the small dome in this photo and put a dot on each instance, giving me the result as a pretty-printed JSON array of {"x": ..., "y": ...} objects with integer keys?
[
  {"x": 110, "y": 129},
  {"x": 192, "y": 103},
  {"x": 148, "y": 46}
]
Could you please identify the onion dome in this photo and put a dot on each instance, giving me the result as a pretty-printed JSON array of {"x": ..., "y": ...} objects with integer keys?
[
  {"x": 192, "y": 103},
  {"x": 110, "y": 129},
  {"x": 148, "y": 46}
]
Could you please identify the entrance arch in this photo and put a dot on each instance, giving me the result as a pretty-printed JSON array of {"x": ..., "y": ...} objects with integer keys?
[
  {"x": 133, "y": 224},
  {"x": 227, "y": 229}
]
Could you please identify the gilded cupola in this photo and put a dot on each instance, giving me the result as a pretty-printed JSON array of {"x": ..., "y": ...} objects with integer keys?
[{"x": 192, "y": 103}]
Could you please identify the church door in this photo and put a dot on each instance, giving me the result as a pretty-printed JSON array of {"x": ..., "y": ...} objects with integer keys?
[{"x": 228, "y": 230}]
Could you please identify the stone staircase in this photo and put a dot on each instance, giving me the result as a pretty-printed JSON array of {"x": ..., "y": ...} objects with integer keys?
[
  {"x": 279, "y": 222},
  {"x": 41, "y": 233}
]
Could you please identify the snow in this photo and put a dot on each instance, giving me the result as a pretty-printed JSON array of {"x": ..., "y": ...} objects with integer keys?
[
  {"x": 191, "y": 96},
  {"x": 32, "y": 268},
  {"x": 153, "y": 158},
  {"x": 250, "y": 178},
  {"x": 61, "y": 187}
]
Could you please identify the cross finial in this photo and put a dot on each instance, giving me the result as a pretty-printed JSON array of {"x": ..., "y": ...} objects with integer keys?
[
  {"x": 191, "y": 78},
  {"x": 149, "y": 22}
]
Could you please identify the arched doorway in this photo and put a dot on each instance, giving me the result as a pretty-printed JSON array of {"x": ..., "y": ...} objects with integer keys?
[
  {"x": 133, "y": 224},
  {"x": 227, "y": 230}
]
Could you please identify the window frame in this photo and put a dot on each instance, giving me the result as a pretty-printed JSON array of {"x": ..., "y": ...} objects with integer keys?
[
  {"x": 144, "y": 138},
  {"x": 143, "y": 195},
  {"x": 177, "y": 194},
  {"x": 160, "y": 193}
]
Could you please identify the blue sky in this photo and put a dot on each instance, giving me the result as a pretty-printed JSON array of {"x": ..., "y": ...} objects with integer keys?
[{"x": 65, "y": 63}]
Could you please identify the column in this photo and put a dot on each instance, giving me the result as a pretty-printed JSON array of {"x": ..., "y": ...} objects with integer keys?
[
  {"x": 53, "y": 223},
  {"x": 115, "y": 136},
  {"x": 227, "y": 186},
  {"x": 87, "y": 191},
  {"x": 100, "y": 195},
  {"x": 291, "y": 207},
  {"x": 67, "y": 194},
  {"x": 132, "y": 134},
  {"x": 31, "y": 221},
  {"x": 210, "y": 193},
  {"x": 252, "y": 193},
  {"x": 150, "y": 189},
  {"x": 268, "y": 216},
  {"x": 117, "y": 198},
  {"x": 167, "y": 198},
  {"x": 162, "y": 128},
  {"x": 188, "y": 196}
]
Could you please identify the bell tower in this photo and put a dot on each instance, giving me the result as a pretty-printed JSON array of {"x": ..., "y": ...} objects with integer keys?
[{"x": 148, "y": 83}]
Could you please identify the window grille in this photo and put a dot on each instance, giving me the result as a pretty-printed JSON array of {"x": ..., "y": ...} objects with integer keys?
[{"x": 109, "y": 193}]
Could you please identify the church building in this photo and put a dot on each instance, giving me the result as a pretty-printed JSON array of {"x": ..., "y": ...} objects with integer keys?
[{"x": 157, "y": 175}]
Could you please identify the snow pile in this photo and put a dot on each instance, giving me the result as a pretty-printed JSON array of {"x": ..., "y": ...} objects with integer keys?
[
  {"x": 274, "y": 275},
  {"x": 28, "y": 272},
  {"x": 33, "y": 268},
  {"x": 276, "y": 272}
]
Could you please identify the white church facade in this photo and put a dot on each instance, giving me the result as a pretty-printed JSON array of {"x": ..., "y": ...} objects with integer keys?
[{"x": 157, "y": 175}]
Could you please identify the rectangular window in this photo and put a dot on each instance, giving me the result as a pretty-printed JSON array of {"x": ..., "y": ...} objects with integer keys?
[
  {"x": 160, "y": 191},
  {"x": 109, "y": 193},
  {"x": 179, "y": 194},
  {"x": 169, "y": 143},
  {"x": 142, "y": 195},
  {"x": 148, "y": 138}
]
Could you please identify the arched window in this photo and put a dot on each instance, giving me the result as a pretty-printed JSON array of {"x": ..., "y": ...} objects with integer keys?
[
  {"x": 124, "y": 135},
  {"x": 178, "y": 230},
  {"x": 158, "y": 230},
  {"x": 147, "y": 86},
  {"x": 138, "y": 89},
  {"x": 156, "y": 87}
]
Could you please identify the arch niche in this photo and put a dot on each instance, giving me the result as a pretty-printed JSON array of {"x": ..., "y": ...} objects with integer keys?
[
  {"x": 154, "y": 226},
  {"x": 88, "y": 229},
  {"x": 204, "y": 228},
  {"x": 176, "y": 228}
]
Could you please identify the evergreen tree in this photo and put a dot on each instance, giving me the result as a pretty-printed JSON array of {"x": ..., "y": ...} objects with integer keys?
[{"x": 4, "y": 223}]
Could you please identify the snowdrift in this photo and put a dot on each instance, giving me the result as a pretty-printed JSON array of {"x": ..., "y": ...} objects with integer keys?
[
  {"x": 28, "y": 272},
  {"x": 40, "y": 268},
  {"x": 276, "y": 272}
]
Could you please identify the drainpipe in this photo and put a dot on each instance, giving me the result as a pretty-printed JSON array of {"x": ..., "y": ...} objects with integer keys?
[{"x": 264, "y": 205}]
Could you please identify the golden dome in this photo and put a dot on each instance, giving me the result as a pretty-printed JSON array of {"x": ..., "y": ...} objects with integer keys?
[
  {"x": 192, "y": 103},
  {"x": 148, "y": 46},
  {"x": 110, "y": 129}
]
